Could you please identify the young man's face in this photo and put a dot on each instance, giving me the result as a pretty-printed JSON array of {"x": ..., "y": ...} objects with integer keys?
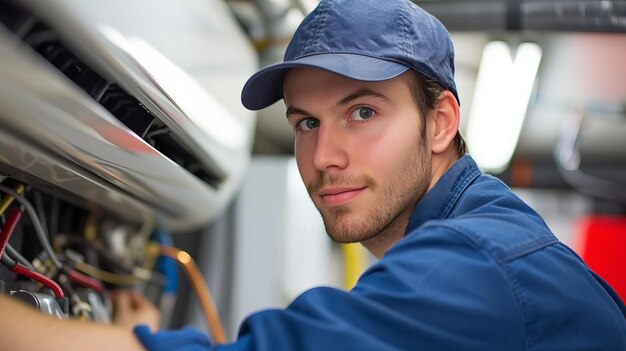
[{"x": 359, "y": 150}]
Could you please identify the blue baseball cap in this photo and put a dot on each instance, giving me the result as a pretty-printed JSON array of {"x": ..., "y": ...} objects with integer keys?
[{"x": 367, "y": 40}]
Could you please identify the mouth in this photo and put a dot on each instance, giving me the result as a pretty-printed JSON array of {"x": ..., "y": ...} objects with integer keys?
[{"x": 339, "y": 196}]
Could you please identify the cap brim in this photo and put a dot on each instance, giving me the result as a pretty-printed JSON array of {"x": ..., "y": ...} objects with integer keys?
[{"x": 266, "y": 86}]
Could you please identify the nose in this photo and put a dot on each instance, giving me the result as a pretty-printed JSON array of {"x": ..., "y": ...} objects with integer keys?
[{"x": 330, "y": 149}]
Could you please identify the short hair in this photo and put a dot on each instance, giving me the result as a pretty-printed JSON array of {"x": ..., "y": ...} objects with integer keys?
[{"x": 426, "y": 93}]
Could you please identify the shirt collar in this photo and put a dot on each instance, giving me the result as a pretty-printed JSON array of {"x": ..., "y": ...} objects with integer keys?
[{"x": 441, "y": 199}]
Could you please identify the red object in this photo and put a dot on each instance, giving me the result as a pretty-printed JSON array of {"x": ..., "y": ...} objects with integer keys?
[
  {"x": 85, "y": 281},
  {"x": 602, "y": 245},
  {"x": 5, "y": 235},
  {"x": 8, "y": 227},
  {"x": 40, "y": 278}
]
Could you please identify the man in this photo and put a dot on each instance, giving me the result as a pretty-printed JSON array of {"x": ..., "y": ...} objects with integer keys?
[{"x": 464, "y": 264}]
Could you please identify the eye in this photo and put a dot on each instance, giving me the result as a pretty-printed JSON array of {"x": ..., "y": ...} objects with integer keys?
[
  {"x": 362, "y": 113},
  {"x": 307, "y": 124}
]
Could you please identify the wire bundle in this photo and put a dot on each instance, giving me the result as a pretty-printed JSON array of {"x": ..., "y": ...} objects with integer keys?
[
  {"x": 16, "y": 267},
  {"x": 72, "y": 275},
  {"x": 23, "y": 267}
]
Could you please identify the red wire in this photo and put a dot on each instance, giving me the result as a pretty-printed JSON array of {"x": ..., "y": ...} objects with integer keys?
[
  {"x": 8, "y": 227},
  {"x": 5, "y": 235},
  {"x": 74, "y": 276},
  {"x": 21, "y": 270},
  {"x": 85, "y": 281}
]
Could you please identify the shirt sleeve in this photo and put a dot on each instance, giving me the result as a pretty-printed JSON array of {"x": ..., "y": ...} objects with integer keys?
[
  {"x": 434, "y": 290},
  {"x": 187, "y": 339}
]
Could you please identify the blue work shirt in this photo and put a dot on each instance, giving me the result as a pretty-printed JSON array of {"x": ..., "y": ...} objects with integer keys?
[{"x": 477, "y": 270}]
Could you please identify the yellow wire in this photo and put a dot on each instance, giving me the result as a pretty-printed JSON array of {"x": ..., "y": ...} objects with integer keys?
[
  {"x": 109, "y": 277},
  {"x": 8, "y": 200},
  {"x": 201, "y": 289},
  {"x": 354, "y": 260},
  {"x": 152, "y": 253},
  {"x": 91, "y": 229}
]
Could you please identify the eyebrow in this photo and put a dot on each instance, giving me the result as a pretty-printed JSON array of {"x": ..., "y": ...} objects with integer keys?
[
  {"x": 360, "y": 93},
  {"x": 346, "y": 100},
  {"x": 296, "y": 111}
]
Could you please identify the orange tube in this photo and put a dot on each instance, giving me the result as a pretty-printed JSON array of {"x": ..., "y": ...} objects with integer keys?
[{"x": 201, "y": 289}]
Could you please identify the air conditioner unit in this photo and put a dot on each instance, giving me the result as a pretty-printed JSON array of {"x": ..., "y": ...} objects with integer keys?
[{"x": 131, "y": 108}]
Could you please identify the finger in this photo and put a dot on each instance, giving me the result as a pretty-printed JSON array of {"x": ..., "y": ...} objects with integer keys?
[
  {"x": 121, "y": 301},
  {"x": 137, "y": 300}
]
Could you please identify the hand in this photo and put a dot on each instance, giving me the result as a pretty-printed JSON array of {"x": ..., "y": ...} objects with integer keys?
[{"x": 131, "y": 308}]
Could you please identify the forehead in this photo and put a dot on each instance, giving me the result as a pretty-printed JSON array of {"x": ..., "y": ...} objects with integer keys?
[{"x": 313, "y": 82}]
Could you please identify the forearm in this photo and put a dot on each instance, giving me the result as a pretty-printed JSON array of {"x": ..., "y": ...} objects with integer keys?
[{"x": 22, "y": 328}]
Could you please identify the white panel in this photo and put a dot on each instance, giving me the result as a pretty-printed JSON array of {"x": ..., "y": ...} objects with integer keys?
[
  {"x": 281, "y": 247},
  {"x": 307, "y": 249}
]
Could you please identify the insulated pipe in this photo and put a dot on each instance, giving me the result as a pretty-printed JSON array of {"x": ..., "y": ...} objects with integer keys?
[
  {"x": 281, "y": 18},
  {"x": 554, "y": 15}
]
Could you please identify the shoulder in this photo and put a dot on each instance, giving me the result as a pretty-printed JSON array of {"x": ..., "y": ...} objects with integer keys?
[
  {"x": 504, "y": 261},
  {"x": 493, "y": 218},
  {"x": 440, "y": 259}
]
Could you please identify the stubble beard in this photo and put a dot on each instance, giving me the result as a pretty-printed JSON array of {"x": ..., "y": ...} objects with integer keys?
[{"x": 392, "y": 199}]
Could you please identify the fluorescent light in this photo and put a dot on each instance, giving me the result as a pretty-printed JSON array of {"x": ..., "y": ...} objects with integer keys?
[{"x": 501, "y": 96}]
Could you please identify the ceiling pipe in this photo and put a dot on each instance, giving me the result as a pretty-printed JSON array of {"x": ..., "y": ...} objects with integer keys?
[
  {"x": 281, "y": 18},
  {"x": 515, "y": 15}
]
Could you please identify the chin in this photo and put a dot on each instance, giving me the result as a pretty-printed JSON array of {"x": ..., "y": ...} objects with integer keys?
[{"x": 347, "y": 228}]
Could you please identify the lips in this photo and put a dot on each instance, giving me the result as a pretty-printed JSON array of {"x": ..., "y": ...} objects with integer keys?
[{"x": 339, "y": 196}]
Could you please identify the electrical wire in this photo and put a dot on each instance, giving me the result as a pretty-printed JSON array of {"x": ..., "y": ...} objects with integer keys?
[
  {"x": 146, "y": 227},
  {"x": 8, "y": 200},
  {"x": 39, "y": 230},
  {"x": 18, "y": 257},
  {"x": 8, "y": 227},
  {"x": 138, "y": 273},
  {"x": 40, "y": 210},
  {"x": 151, "y": 255},
  {"x": 62, "y": 241},
  {"x": 79, "y": 307},
  {"x": 86, "y": 281},
  {"x": 158, "y": 132},
  {"x": 7, "y": 261},
  {"x": 131, "y": 276},
  {"x": 40, "y": 278},
  {"x": 202, "y": 291},
  {"x": 7, "y": 230},
  {"x": 105, "y": 276},
  {"x": 143, "y": 135},
  {"x": 74, "y": 276},
  {"x": 91, "y": 230},
  {"x": 18, "y": 268}
]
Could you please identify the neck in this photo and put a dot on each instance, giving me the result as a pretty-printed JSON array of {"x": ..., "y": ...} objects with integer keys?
[
  {"x": 395, "y": 231},
  {"x": 382, "y": 241},
  {"x": 441, "y": 163}
]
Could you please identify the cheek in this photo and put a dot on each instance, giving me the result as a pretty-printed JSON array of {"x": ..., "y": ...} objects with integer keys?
[
  {"x": 387, "y": 152},
  {"x": 304, "y": 160}
]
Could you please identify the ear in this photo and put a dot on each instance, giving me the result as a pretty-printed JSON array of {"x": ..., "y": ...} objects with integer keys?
[{"x": 445, "y": 120}]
